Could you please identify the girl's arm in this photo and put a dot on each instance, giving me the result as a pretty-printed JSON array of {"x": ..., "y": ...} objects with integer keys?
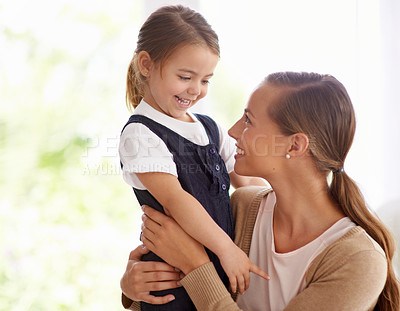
[
  {"x": 238, "y": 181},
  {"x": 195, "y": 220}
]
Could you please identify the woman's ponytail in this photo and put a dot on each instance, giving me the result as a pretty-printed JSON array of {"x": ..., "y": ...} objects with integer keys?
[
  {"x": 134, "y": 85},
  {"x": 345, "y": 191},
  {"x": 320, "y": 106}
]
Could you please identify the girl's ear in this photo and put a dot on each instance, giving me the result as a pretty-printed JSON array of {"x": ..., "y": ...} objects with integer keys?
[
  {"x": 144, "y": 63},
  {"x": 299, "y": 145}
]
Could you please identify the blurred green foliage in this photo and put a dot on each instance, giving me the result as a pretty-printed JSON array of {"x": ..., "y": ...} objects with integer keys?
[
  {"x": 66, "y": 223},
  {"x": 67, "y": 219}
]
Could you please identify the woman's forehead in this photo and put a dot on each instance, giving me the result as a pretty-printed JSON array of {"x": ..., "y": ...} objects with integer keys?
[{"x": 263, "y": 96}]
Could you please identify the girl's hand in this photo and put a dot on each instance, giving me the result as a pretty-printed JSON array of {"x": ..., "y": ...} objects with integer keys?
[
  {"x": 238, "y": 266},
  {"x": 163, "y": 236},
  {"x": 141, "y": 277}
]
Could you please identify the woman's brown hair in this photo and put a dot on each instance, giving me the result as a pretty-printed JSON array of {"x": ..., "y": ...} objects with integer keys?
[
  {"x": 320, "y": 107},
  {"x": 166, "y": 30}
]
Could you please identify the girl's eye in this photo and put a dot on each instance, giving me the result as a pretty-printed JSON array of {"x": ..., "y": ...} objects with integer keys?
[
  {"x": 205, "y": 82},
  {"x": 246, "y": 119},
  {"x": 184, "y": 78}
]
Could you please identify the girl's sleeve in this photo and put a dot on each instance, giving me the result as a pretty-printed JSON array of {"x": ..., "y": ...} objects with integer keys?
[
  {"x": 142, "y": 151},
  {"x": 227, "y": 148},
  {"x": 207, "y": 291}
]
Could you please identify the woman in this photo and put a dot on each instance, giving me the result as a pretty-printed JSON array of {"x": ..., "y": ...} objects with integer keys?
[{"x": 315, "y": 237}]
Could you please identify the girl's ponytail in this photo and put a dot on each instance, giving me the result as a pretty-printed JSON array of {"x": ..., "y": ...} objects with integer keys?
[
  {"x": 345, "y": 191},
  {"x": 134, "y": 85}
]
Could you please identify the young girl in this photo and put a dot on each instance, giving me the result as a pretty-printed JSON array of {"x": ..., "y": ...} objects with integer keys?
[{"x": 178, "y": 162}]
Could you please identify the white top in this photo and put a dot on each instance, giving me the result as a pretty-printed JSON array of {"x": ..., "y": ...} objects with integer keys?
[
  {"x": 287, "y": 270},
  {"x": 142, "y": 151}
]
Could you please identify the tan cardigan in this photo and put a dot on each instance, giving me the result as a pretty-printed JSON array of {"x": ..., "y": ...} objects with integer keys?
[{"x": 347, "y": 275}]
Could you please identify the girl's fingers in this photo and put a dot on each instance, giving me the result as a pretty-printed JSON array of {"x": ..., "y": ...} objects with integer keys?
[
  {"x": 232, "y": 281},
  {"x": 255, "y": 269},
  {"x": 241, "y": 284},
  {"x": 247, "y": 281}
]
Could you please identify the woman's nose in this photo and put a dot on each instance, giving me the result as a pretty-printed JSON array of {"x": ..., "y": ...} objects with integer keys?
[{"x": 235, "y": 131}]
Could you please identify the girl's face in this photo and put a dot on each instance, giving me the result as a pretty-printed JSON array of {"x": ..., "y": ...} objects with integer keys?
[
  {"x": 182, "y": 82},
  {"x": 261, "y": 147}
]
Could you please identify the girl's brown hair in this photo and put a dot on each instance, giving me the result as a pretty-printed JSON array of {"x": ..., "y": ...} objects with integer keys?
[
  {"x": 320, "y": 107},
  {"x": 166, "y": 30}
]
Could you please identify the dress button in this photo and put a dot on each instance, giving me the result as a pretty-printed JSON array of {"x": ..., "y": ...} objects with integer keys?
[
  {"x": 223, "y": 186},
  {"x": 212, "y": 150},
  {"x": 217, "y": 167}
]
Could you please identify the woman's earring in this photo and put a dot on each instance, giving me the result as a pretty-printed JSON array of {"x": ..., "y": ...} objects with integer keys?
[{"x": 287, "y": 156}]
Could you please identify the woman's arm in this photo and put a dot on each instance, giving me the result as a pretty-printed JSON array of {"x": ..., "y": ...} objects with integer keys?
[
  {"x": 163, "y": 236},
  {"x": 195, "y": 220},
  {"x": 141, "y": 277}
]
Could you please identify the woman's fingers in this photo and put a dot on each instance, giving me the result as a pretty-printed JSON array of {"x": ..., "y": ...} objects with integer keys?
[
  {"x": 138, "y": 252},
  {"x": 163, "y": 236},
  {"x": 156, "y": 300},
  {"x": 142, "y": 277},
  {"x": 153, "y": 223},
  {"x": 151, "y": 266},
  {"x": 155, "y": 215},
  {"x": 163, "y": 276},
  {"x": 157, "y": 286}
]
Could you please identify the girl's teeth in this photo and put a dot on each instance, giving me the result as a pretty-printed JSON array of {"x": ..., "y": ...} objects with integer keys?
[
  {"x": 182, "y": 101},
  {"x": 239, "y": 151}
]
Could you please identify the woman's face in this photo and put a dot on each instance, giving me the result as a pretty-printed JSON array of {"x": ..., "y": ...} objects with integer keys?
[{"x": 261, "y": 147}]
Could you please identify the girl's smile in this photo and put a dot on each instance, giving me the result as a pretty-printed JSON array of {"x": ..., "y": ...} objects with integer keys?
[
  {"x": 181, "y": 82},
  {"x": 183, "y": 103}
]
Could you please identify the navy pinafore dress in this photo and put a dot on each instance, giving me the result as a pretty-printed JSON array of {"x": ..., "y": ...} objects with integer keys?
[{"x": 202, "y": 173}]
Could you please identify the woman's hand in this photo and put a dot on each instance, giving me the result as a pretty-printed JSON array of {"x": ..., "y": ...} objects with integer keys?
[
  {"x": 141, "y": 277},
  {"x": 163, "y": 236}
]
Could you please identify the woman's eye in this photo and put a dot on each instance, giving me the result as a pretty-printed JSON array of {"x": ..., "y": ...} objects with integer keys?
[
  {"x": 184, "y": 78},
  {"x": 246, "y": 119},
  {"x": 205, "y": 82}
]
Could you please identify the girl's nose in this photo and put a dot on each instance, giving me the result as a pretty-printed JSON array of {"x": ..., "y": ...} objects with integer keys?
[{"x": 194, "y": 89}]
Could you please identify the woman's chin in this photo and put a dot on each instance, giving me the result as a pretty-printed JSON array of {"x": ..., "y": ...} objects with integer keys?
[{"x": 239, "y": 170}]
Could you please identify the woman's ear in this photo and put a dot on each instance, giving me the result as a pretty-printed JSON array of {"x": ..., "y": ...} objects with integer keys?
[
  {"x": 144, "y": 63},
  {"x": 299, "y": 145}
]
